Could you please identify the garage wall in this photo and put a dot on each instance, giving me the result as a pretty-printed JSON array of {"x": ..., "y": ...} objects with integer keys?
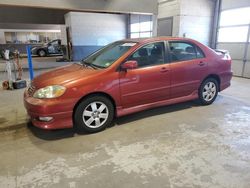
[
  {"x": 196, "y": 19},
  {"x": 238, "y": 47},
  {"x": 2, "y": 37},
  {"x": 230, "y": 4},
  {"x": 192, "y": 19},
  {"x": 91, "y": 31},
  {"x": 7, "y": 27},
  {"x": 31, "y": 15},
  {"x": 126, "y": 6},
  {"x": 170, "y": 9}
]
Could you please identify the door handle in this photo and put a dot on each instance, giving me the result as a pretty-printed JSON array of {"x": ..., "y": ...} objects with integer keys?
[
  {"x": 202, "y": 63},
  {"x": 164, "y": 69}
]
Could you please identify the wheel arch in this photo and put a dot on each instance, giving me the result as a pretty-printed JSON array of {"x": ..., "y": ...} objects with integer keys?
[
  {"x": 215, "y": 76},
  {"x": 38, "y": 50},
  {"x": 95, "y": 94}
]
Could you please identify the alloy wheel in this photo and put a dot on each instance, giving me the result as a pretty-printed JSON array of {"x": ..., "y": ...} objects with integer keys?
[
  {"x": 95, "y": 114},
  {"x": 209, "y": 91},
  {"x": 42, "y": 53}
]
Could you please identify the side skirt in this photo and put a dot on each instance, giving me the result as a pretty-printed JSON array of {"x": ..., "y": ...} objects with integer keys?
[{"x": 125, "y": 111}]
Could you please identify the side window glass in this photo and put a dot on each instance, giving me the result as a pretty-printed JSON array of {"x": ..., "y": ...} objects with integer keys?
[
  {"x": 149, "y": 55},
  {"x": 54, "y": 43},
  {"x": 200, "y": 53},
  {"x": 182, "y": 51}
]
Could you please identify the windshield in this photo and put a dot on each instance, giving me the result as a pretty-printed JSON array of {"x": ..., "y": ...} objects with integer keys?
[{"x": 109, "y": 54}]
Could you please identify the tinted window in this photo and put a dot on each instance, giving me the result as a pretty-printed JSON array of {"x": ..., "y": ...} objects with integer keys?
[
  {"x": 182, "y": 51},
  {"x": 150, "y": 54},
  {"x": 54, "y": 42},
  {"x": 200, "y": 53}
]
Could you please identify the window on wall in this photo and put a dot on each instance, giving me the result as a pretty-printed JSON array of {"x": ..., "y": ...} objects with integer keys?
[
  {"x": 141, "y": 26},
  {"x": 31, "y": 37},
  {"x": 233, "y": 34},
  {"x": 234, "y": 25},
  {"x": 237, "y": 16}
]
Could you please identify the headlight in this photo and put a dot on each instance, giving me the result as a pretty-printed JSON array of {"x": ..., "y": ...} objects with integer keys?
[{"x": 49, "y": 92}]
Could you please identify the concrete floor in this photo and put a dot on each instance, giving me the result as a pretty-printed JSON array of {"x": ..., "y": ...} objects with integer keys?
[
  {"x": 183, "y": 145},
  {"x": 38, "y": 63}
]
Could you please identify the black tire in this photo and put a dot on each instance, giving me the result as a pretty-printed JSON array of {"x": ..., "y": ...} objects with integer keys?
[
  {"x": 80, "y": 121},
  {"x": 41, "y": 53},
  {"x": 210, "y": 98}
]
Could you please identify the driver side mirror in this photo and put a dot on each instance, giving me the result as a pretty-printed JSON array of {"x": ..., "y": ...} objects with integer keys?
[{"x": 129, "y": 65}]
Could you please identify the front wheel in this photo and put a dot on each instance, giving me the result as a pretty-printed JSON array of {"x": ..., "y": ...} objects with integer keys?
[
  {"x": 93, "y": 114},
  {"x": 208, "y": 91}
]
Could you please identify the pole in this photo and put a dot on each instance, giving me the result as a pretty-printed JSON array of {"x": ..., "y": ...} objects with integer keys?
[{"x": 31, "y": 71}]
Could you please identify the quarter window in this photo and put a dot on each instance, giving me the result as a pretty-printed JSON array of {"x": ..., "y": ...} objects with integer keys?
[
  {"x": 149, "y": 55},
  {"x": 200, "y": 53},
  {"x": 183, "y": 51}
]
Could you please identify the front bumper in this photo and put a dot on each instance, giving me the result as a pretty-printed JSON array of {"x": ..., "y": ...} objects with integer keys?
[{"x": 59, "y": 110}]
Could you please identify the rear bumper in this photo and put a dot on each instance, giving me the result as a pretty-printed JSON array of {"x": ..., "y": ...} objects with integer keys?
[
  {"x": 48, "y": 108},
  {"x": 225, "y": 80}
]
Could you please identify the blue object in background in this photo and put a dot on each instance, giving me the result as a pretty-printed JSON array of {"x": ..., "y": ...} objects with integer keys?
[{"x": 31, "y": 71}]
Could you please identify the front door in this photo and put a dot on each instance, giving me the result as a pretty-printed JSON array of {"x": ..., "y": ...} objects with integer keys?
[{"x": 148, "y": 83}]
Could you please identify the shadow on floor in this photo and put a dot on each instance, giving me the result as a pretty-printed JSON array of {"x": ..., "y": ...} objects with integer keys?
[
  {"x": 156, "y": 111},
  {"x": 67, "y": 133},
  {"x": 50, "y": 134}
]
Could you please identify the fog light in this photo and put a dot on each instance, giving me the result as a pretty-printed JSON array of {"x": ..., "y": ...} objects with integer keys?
[{"x": 45, "y": 118}]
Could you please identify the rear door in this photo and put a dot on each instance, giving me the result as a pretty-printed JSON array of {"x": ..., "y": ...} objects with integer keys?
[
  {"x": 148, "y": 83},
  {"x": 188, "y": 67}
]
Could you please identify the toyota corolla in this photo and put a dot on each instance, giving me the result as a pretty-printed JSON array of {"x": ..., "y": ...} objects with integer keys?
[{"x": 125, "y": 77}]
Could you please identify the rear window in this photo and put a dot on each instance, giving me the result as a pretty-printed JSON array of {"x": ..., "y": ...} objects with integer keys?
[{"x": 184, "y": 51}]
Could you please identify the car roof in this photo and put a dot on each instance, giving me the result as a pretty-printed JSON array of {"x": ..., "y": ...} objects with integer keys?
[{"x": 152, "y": 39}]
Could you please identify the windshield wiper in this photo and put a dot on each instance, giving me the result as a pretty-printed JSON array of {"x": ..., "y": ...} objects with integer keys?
[
  {"x": 87, "y": 64},
  {"x": 97, "y": 66}
]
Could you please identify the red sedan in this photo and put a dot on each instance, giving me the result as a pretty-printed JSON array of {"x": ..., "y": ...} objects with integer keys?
[{"x": 125, "y": 77}]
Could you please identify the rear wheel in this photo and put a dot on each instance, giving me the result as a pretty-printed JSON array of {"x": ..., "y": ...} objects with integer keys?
[
  {"x": 208, "y": 91},
  {"x": 93, "y": 114},
  {"x": 41, "y": 53}
]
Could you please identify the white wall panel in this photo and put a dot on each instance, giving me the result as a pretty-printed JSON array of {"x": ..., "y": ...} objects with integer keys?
[
  {"x": 237, "y": 46},
  {"x": 95, "y": 28},
  {"x": 248, "y": 52},
  {"x": 190, "y": 18},
  {"x": 168, "y": 8},
  {"x": 237, "y": 66},
  {"x": 196, "y": 19},
  {"x": 129, "y": 6},
  {"x": 247, "y": 70},
  {"x": 195, "y": 27},
  {"x": 230, "y": 4},
  {"x": 199, "y": 7}
]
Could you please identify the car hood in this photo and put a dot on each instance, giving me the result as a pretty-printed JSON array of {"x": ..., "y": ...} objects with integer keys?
[{"x": 63, "y": 75}]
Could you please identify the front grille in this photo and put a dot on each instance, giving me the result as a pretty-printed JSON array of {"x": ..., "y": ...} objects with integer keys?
[{"x": 31, "y": 90}]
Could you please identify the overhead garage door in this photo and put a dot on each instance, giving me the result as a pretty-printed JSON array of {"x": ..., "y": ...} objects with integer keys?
[{"x": 234, "y": 34}]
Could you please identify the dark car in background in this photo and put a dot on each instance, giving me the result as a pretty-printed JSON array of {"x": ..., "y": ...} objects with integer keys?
[{"x": 51, "y": 48}]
